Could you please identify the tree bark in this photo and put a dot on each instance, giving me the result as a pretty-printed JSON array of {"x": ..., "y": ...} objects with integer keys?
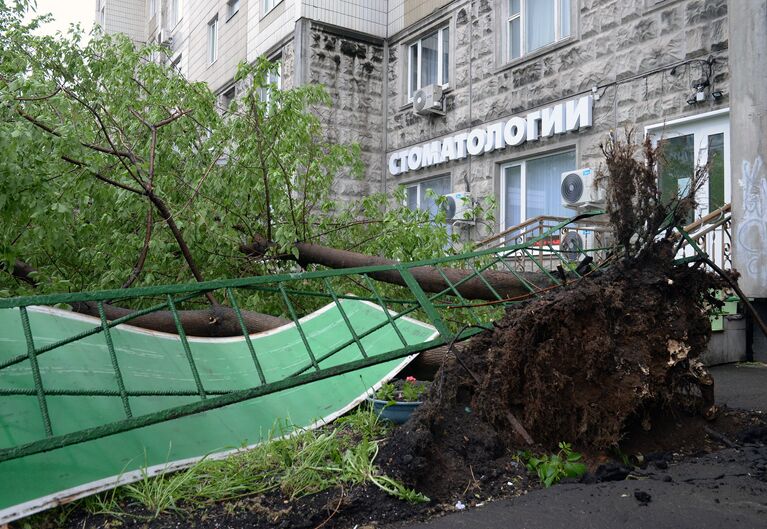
[
  {"x": 214, "y": 322},
  {"x": 506, "y": 284},
  {"x": 23, "y": 272}
]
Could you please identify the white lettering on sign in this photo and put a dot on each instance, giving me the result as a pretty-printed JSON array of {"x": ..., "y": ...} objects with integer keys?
[{"x": 558, "y": 119}]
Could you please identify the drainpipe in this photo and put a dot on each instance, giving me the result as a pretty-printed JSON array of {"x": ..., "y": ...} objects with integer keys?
[
  {"x": 467, "y": 178},
  {"x": 385, "y": 108}
]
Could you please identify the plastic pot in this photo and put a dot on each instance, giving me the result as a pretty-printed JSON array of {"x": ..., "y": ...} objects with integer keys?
[{"x": 398, "y": 412}]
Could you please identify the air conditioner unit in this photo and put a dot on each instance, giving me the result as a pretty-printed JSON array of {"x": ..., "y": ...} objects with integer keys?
[
  {"x": 457, "y": 205},
  {"x": 166, "y": 39},
  {"x": 574, "y": 245},
  {"x": 428, "y": 100},
  {"x": 578, "y": 189}
]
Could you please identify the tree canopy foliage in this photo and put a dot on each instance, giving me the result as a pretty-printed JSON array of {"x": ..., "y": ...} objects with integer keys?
[{"x": 117, "y": 171}]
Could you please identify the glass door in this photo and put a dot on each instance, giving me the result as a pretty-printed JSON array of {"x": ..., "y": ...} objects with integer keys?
[
  {"x": 688, "y": 144},
  {"x": 691, "y": 143}
]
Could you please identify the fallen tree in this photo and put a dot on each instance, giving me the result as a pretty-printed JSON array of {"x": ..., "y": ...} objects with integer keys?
[
  {"x": 216, "y": 321},
  {"x": 147, "y": 180},
  {"x": 582, "y": 363},
  {"x": 429, "y": 278}
]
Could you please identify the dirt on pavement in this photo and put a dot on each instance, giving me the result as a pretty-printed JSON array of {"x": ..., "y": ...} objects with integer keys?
[{"x": 581, "y": 364}]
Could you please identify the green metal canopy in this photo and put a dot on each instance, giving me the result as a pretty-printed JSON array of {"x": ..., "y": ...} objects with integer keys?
[
  {"x": 87, "y": 403},
  {"x": 156, "y": 365}
]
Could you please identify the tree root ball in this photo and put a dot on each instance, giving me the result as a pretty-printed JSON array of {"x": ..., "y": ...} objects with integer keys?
[{"x": 574, "y": 365}]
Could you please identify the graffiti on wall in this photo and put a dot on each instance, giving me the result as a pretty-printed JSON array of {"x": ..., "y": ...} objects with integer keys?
[{"x": 752, "y": 231}]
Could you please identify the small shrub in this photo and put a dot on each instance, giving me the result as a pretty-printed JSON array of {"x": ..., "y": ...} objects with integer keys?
[{"x": 552, "y": 468}]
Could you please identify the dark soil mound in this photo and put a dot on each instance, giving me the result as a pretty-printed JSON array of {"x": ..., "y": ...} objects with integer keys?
[{"x": 576, "y": 365}]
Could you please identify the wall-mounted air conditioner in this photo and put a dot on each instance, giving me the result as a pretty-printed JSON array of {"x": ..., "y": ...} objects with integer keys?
[
  {"x": 575, "y": 245},
  {"x": 457, "y": 205},
  {"x": 578, "y": 189},
  {"x": 428, "y": 100},
  {"x": 165, "y": 38}
]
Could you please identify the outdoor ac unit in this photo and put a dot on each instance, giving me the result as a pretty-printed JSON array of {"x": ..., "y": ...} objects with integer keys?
[
  {"x": 166, "y": 39},
  {"x": 456, "y": 205},
  {"x": 574, "y": 245},
  {"x": 578, "y": 189},
  {"x": 428, "y": 100}
]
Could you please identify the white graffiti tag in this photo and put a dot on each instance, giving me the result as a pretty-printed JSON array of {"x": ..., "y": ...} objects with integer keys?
[{"x": 752, "y": 231}]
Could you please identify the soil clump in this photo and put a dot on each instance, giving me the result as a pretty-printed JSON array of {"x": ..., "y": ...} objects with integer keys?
[{"x": 580, "y": 364}]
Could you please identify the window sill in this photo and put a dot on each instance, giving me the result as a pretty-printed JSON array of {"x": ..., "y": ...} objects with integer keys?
[
  {"x": 266, "y": 14},
  {"x": 174, "y": 27},
  {"x": 540, "y": 52},
  {"x": 657, "y": 5},
  {"x": 409, "y": 104},
  {"x": 230, "y": 17}
]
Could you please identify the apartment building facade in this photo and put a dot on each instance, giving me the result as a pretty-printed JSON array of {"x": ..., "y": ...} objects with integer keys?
[{"x": 495, "y": 98}]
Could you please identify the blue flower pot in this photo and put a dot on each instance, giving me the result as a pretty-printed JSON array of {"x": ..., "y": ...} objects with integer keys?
[{"x": 398, "y": 413}]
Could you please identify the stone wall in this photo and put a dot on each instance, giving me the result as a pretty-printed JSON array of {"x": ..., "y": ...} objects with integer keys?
[
  {"x": 627, "y": 49},
  {"x": 351, "y": 69}
]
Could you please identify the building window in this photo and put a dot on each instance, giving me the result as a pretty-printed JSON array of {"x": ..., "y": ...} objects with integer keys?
[
  {"x": 273, "y": 82},
  {"x": 418, "y": 196},
  {"x": 176, "y": 12},
  {"x": 269, "y": 5},
  {"x": 178, "y": 65},
  {"x": 232, "y": 6},
  {"x": 103, "y": 15},
  {"x": 152, "y": 8},
  {"x": 533, "y": 24},
  {"x": 531, "y": 188},
  {"x": 227, "y": 98},
  {"x": 213, "y": 40},
  {"x": 429, "y": 61}
]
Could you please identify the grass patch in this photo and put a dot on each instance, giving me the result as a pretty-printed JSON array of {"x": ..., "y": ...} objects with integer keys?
[{"x": 305, "y": 462}]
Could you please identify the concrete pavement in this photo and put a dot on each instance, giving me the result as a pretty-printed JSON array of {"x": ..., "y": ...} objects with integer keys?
[{"x": 726, "y": 489}]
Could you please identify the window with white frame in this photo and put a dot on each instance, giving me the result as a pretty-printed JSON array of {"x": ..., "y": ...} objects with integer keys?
[
  {"x": 177, "y": 64},
  {"x": 227, "y": 98},
  {"x": 232, "y": 6},
  {"x": 213, "y": 40},
  {"x": 429, "y": 61},
  {"x": 533, "y": 24},
  {"x": 269, "y": 5},
  {"x": 103, "y": 14},
  {"x": 152, "y": 8},
  {"x": 531, "y": 187},
  {"x": 176, "y": 12},
  {"x": 273, "y": 81},
  {"x": 419, "y": 196}
]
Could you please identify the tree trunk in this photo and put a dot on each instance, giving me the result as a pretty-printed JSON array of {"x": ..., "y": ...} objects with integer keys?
[
  {"x": 217, "y": 321},
  {"x": 214, "y": 322},
  {"x": 506, "y": 284}
]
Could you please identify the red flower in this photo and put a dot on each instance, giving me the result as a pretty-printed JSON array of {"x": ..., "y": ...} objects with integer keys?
[{"x": 410, "y": 379}]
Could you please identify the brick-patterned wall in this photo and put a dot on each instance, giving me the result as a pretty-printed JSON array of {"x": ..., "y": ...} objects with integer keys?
[
  {"x": 403, "y": 13},
  {"x": 614, "y": 42},
  {"x": 232, "y": 41},
  {"x": 365, "y": 16},
  {"x": 352, "y": 72},
  {"x": 267, "y": 30},
  {"x": 126, "y": 16}
]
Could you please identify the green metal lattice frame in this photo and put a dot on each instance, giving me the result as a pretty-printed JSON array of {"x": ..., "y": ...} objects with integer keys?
[{"x": 439, "y": 309}]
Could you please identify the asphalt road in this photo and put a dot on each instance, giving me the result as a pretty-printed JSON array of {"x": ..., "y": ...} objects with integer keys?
[{"x": 727, "y": 489}]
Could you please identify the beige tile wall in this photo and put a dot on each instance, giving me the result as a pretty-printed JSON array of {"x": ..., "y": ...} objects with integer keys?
[
  {"x": 125, "y": 16},
  {"x": 366, "y": 16},
  {"x": 403, "y": 13},
  {"x": 232, "y": 41},
  {"x": 266, "y": 30}
]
